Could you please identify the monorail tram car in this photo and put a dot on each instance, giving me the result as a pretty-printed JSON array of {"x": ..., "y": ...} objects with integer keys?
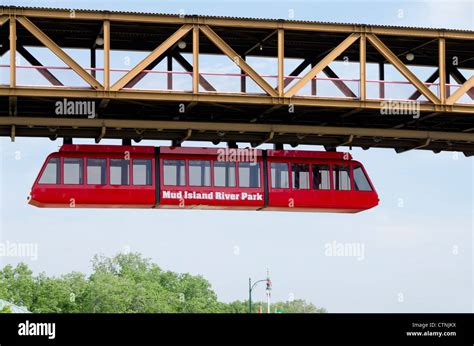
[{"x": 107, "y": 176}]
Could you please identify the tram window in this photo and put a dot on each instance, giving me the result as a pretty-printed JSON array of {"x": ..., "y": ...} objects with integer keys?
[
  {"x": 51, "y": 172},
  {"x": 174, "y": 172},
  {"x": 279, "y": 173},
  {"x": 119, "y": 172},
  {"x": 199, "y": 173},
  {"x": 321, "y": 177},
  {"x": 361, "y": 183},
  {"x": 141, "y": 172},
  {"x": 249, "y": 174},
  {"x": 300, "y": 175},
  {"x": 341, "y": 177},
  {"x": 73, "y": 171},
  {"x": 96, "y": 171},
  {"x": 224, "y": 174}
]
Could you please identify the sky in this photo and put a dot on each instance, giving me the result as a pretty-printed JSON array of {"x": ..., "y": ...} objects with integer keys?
[{"x": 416, "y": 246}]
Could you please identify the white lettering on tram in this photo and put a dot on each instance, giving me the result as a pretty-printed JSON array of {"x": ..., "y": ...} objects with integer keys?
[{"x": 211, "y": 196}]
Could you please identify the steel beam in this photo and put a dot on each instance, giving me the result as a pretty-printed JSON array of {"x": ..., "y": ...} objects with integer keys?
[
  {"x": 169, "y": 69},
  {"x": 339, "y": 83},
  {"x": 225, "y": 98},
  {"x": 44, "y": 39},
  {"x": 243, "y": 79},
  {"x": 422, "y": 144},
  {"x": 322, "y": 64},
  {"x": 93, "y": 62},
  {"x": 237, "y": 23},
  {"x": 362, "y": 63},
  {"x": 106, "y": 28},
  {"x": 298, "y": 69},
  {"x": 12, "y": 52},
  {"x": 142, "y": 75},
  {"x": 155, "y": 54},
  {"x": 189, "y": 68},
  {"x": 459, "y": 78},
  {"x": 3, "y": 20},
  {"x": 281, "y": 61},
  {"x": 195, "y": 59},
  {"x": 442, "y": 69},
  {"x": 398, "y": 64},
  {"x": 34, "y": 62},
  {"x": 461, "y": 91},
  {"x": 227, "y": 50},
  {"x": 233, "y": 127},
  {"x": 327, "y": 71},
  {"x": 431, "y": 79}
]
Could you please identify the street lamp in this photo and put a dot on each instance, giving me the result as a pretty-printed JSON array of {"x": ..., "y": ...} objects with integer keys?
[{"x": 251, "y": 287}]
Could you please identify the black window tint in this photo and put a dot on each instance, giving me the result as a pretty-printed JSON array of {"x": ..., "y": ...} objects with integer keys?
[
  {"x": 341, "y": 177},
  {"x": 73, "y": 171},
  {"x": 174, "y": 172},
  {"x": 119, "y": 172},
  {"x": 51, "y": 172},
  {"x": 142, "y": 172},
  {"x": 96, "y": 171},
  {"x": 249, "y": 174},
  {"x": 300, "y": 175},
  {"x": 199, "y": 173},
  {"x": 361, "y": 183},
  {"x": 280, "y": 177},
  {"x": 224, "y": 174},
  {"x": 321, "y": 177}
]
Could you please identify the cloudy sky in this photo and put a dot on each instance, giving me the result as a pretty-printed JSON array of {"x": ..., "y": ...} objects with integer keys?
[{"x": 417, "y": 244}]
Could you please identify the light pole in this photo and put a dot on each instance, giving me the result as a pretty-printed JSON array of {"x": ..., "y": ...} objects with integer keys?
[{"x": 251, "y": 287}]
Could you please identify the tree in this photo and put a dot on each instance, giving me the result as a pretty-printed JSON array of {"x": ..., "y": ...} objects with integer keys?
[
  {"x": 18, "y": 285},
  {"x": 125, "y": 283}
]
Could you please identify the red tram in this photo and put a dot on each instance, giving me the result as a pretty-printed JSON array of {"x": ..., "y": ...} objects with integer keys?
[{"x": 98, "y": 176}]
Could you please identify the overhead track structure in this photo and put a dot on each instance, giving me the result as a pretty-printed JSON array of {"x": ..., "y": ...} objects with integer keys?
[{"x": 287, "y": 107}]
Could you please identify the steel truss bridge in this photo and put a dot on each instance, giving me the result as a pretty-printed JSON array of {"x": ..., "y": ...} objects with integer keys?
[{"x": 184, "y": 102}]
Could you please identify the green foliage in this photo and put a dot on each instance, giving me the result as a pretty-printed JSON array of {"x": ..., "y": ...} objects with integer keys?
[
  {"x": 125, "y": 283},
  {"x": 6, "y": 310},
  {"x": 289, "y": 307}
]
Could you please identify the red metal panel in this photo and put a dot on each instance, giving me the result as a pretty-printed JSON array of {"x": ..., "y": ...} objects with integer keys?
[
  {"x": 306, "y": 154},
  {"x": 91, "y": 148},
  {"x": 91, "y": 195},
  {"x": 206, "y": 197}
]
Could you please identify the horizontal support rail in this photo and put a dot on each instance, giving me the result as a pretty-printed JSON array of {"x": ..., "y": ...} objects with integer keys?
[
  {"x": 234, "y": 127},
  {"x": 246, "y": 23}
]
